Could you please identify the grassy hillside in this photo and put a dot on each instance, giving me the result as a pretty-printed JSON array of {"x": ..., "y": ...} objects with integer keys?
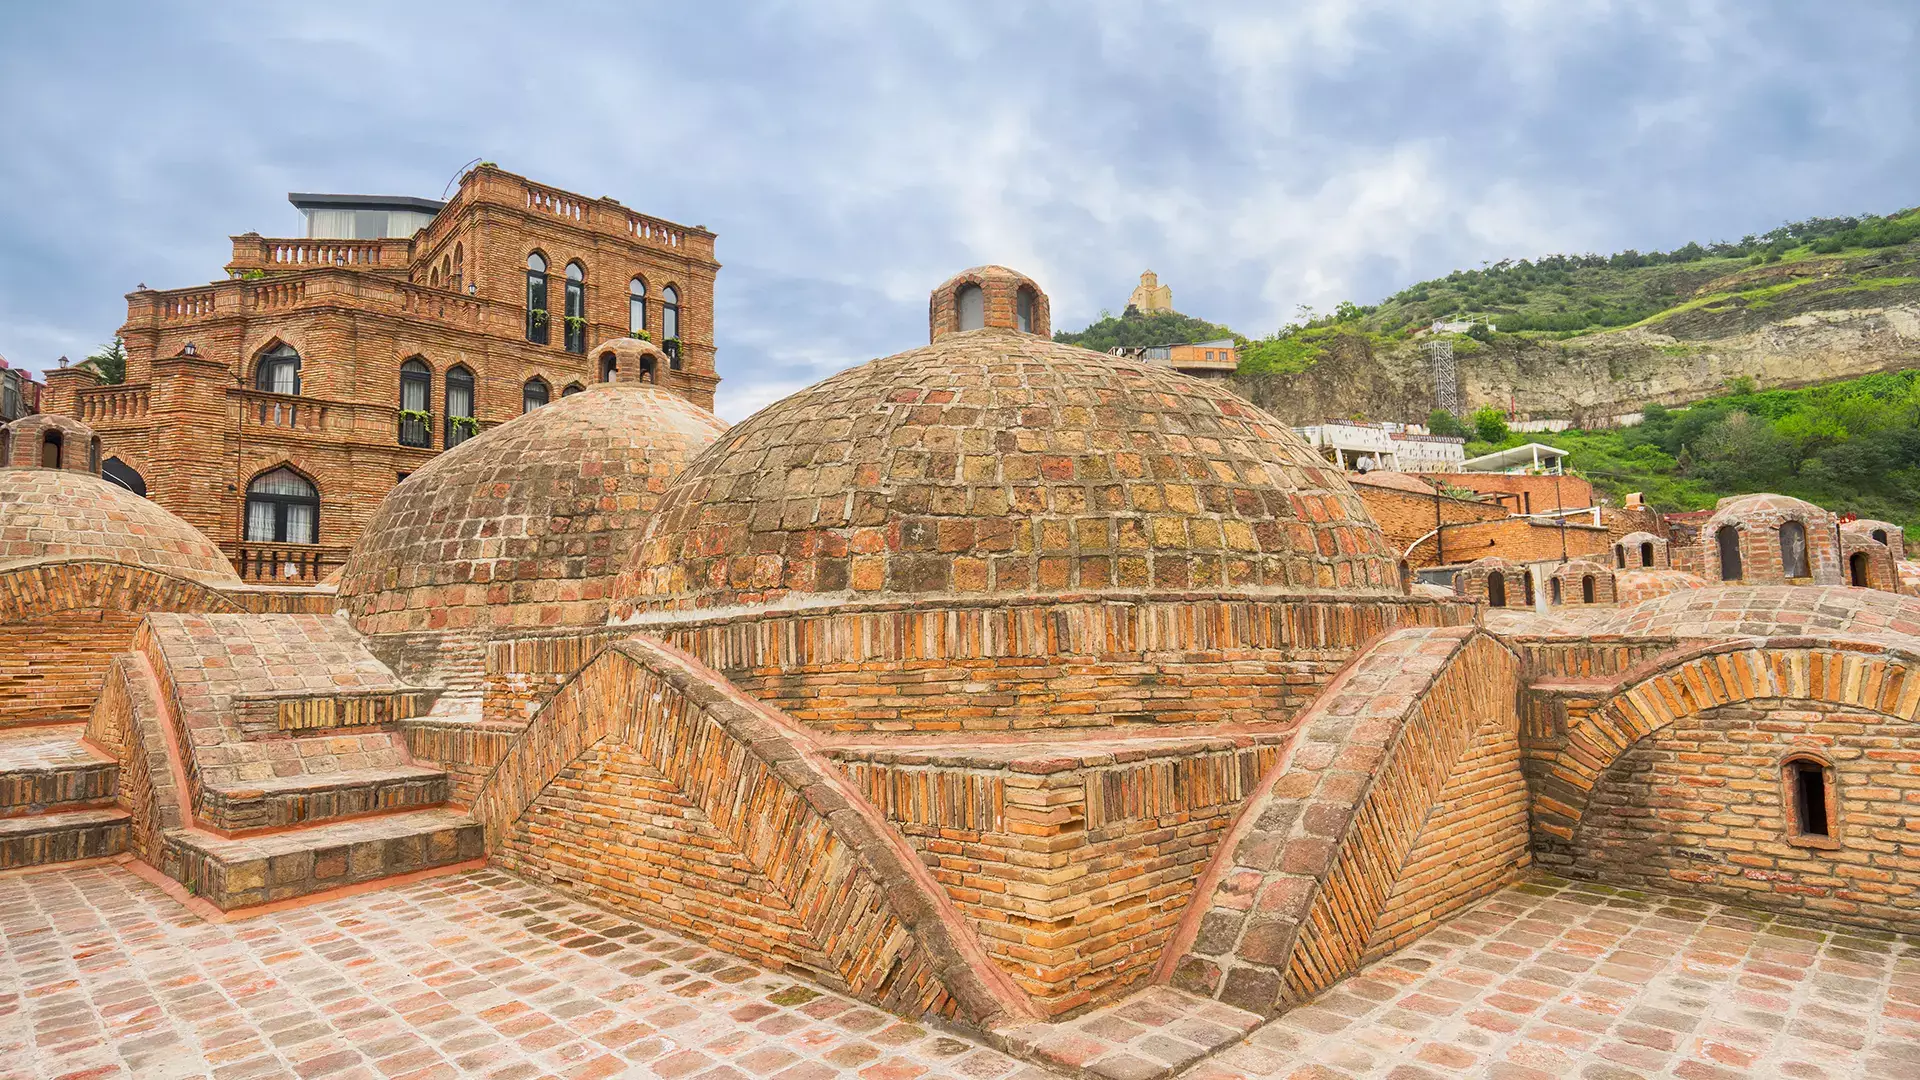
[
  {"x": 1849, "y": 446},
  {"x": 1133, "y": 329}
]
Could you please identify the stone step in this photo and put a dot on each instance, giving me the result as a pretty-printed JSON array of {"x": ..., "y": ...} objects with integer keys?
[
  {"x": 250, "y": 870},
  {"x": 48, "y": 767},
  {"x": 62, "y": 836},
  {"x": 284, "y": 801}
]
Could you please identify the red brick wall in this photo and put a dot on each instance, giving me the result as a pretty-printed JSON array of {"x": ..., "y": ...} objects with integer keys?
[
  {"x": 1516, "y": 540},
  {"x": 1525, "y": 494},
  {"x": 1698, "y": 807},
  {"x": 1406, "y": 516}
]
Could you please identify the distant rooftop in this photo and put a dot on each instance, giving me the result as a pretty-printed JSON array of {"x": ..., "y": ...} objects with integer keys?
[
  {"x": 1532, "y": 457},
  {"x": 363, "y": 217}
]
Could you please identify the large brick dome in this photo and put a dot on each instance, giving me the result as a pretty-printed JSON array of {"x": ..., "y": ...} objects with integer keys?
[
  {"x": 995, "y": 462},
  {"x": 527, "y": 524},
  {"x": 51, "y": 515}
]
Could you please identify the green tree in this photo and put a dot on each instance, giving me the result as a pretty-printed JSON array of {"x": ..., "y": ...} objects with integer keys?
[
  {"x": 1442, "y": 422},
  {"x": 1489, "y": 424},
  {"x": 109, "y": 361}
]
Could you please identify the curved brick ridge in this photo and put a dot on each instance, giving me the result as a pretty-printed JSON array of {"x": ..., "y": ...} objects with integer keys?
[
  {"x": 527, "y": 524},
  {"x": 867, "y": 909},
  {"x": 48, "y": 588},
  {"x": 999, "y": 463},
  {"x": 1868, "y": 676},
  {"x": 127, "y": 722},
  {"x": 1312, "y": 870},
  {"x": 56, "y": 515}
]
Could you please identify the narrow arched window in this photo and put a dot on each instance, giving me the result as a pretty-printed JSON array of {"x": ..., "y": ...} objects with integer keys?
[
  {"x": 1023, "y": 311},
  {"x": 1880, "y": 535},
  {"x": 572, "y": 389},
  {"x": 459, "y": 267},
  {"x": 1620, "y": 556},
  {"x": 1811, "y": 800},
  {"x": 433, "y": 277},
  {"x": 1586, "y": 588},
  {"x": 537, "y": 318},
  {"x": 1555, "y": 591},
  {"x": 1646, "y": 553},
  {"x": 1728, "y": 539},
  {"x": 93, "y": 455},
  {"x": 283, "y": 507},
  {"x": 609, "y": 367},
  {"x": 1496, "y": 590},
  {"x": 1793, "y": 550},
  {"x": 637, "y": 306},
  {"x": 51, "y": 450},
  {"x": 416, "y": 392},
  {"x": 279, "y": 371},
  {"x": 647, "y": 373},
  {"x": 576, "y": 336},
  {"x": 970, "y": 307},
  {"x": 1857, "y": 571},
  {"x": 534, "y": 394},
  {"x": 1526, "y": 588},
  {"x": 461, "y": 425}
]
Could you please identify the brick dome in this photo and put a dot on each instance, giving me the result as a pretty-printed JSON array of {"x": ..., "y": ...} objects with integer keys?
[
  {"x": 988, "y": 296},
  {"x": 1771, "y": 611},
  {"x": 51, "y": 515},
  {"x": 994, "y": 462},
  {"x": 527, "y": 524},
  {"x": 38, "y": 440}
]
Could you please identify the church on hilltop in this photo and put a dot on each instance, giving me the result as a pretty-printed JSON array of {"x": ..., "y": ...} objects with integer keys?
[{"x": 1150, "y": 297}]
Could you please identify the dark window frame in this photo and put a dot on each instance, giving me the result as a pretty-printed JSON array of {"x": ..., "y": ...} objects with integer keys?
[
  {"x": 527, "y": 404},
  {"x": 1810, "y": 801},
  {"x": 538, "y": 325},
  {"x": 280, "y": 503},
  {"x": 453, "y": 434},
  {"x": 278, "y": 356},
  {"x": 574, "y": 334},
  {"x": 414, "y": 370}
]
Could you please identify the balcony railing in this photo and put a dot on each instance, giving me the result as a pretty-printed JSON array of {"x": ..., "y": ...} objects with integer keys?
[
  {"x": 416, "y": 432},
  {"x": 107, "y": 403},
  {"x": 304, "y": 564}
]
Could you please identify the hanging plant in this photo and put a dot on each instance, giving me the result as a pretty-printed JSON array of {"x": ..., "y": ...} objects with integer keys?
[
  {"x": 466, "y": 425},
  {"x": 418, "y": 416},
  {"x": 539, "y": 316},
  {"x": 576, "y": 324},
  {"x": 671, "y": 345},
  {"x": 641, "y": 335}
]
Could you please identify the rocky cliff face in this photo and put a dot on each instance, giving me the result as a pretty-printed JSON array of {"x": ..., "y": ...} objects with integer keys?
[{"x": 1782, "y": 325}]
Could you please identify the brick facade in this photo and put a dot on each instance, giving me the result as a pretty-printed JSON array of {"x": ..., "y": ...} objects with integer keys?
[{"x": 193, "y": 425}]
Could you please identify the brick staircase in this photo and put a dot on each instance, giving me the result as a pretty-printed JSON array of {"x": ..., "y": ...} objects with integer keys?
[
  {"x": 56, "y": 798},
  {"x": 266, "y": 752}
]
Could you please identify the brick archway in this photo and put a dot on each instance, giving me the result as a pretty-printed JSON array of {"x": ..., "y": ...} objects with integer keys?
[
  {"x": 815, "y": 880},
  {"x": 1867, "y": 676}
]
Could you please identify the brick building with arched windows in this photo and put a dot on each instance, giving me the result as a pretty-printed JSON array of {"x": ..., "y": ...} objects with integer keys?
[{"x": 276, "y": 408}]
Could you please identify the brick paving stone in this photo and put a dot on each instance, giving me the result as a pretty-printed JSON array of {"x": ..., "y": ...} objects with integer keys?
[
  {"x": 1551, "y": 978},
  {"x": 477, "y": 974}
]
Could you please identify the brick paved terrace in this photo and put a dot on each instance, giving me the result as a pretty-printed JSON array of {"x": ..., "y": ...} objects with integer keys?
[{"x": 479, "y": 974}]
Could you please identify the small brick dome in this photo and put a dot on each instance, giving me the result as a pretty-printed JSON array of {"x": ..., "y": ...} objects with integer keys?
[
  {"x": 527, "y": 524},
  {"x": 1771, "y": 611},
  {"x": 988, "y": 296},
  {"x": 51, "y": 515},
  {"x": 38, "y": 440},
  {"x": 994, "y": 462},
  {"x": 630, "y": 360}
]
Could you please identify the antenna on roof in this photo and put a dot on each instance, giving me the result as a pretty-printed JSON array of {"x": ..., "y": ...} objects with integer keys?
[{"x": 457, "y": 174}]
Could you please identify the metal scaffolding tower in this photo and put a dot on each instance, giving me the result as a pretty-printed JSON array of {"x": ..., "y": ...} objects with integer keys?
[{"x": 1446, "y": 376}]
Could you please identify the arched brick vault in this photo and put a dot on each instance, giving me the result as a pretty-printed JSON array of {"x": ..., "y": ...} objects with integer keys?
[
  {"x": 814, "y": 878},
  {"x": 49, "y": 588},
  {"x": 1873, "y": 676},
  {"x": 1399, "y": 801}
]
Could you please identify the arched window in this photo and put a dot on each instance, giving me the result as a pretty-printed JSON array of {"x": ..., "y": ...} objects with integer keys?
[
  {"x": 1526, "y": 587},
  {"x": 1728, "y": 539},
  {"x": 1496, "y": 589},
  {"x": 572, "y": 389},
  {"x": 283, "y": 508},
  {"x": 1555, "y": 591},
  {"x": 460, "y": 422},
  {"x": 637, "y": 306},
  {"x": 1793, "y": 550},
  {"x": 1880, "y": 535},
  {"x": 459, "y": 267},
  {"x": 279, "y": 371},
  {"x": 1620, "y": 556},
  {"x": 670, "y": 314},
  {"x": 1586, "y": 588},
  {"x": 970, "y": 307},
  {"x": 609, "y": 367},
  {"x": 537, "y": 320},
  {"x": 1857, "y": 569},
  {"x": 416, "y": 394},
  {"x": 1646, "y": 553},
  {"x": 1023, "y": 310},
  {"x": 433, "y": 277},
  {"x": 51, "y": 449},
  {"x": 446, "y": 269},
  {"x": 576, "y": 336},
  {"x": 647, "y": 373},
  {"x": 115, "y": 471},
  {"x": 1812, "y": 802},
  {"x": 535, "y": 394},
  {"x": 93, "y": 455}
]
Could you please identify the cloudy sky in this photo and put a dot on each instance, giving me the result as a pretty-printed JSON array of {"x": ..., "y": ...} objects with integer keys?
[{"x": 850, "y": 155}]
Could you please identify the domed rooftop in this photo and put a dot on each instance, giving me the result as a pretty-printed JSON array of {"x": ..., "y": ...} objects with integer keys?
[
  {"x": 996, "y": 462},
  {"x": 1770, "y": 611},
  {"x": 49, "y": 515},
  {"x": 50, "y": 441},
  {"x": 527, "y": 524},
  {"x": 1735, "y": 508}
]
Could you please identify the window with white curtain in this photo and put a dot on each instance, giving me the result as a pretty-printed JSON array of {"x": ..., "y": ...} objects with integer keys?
[{"x": 283, "y": 508}]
